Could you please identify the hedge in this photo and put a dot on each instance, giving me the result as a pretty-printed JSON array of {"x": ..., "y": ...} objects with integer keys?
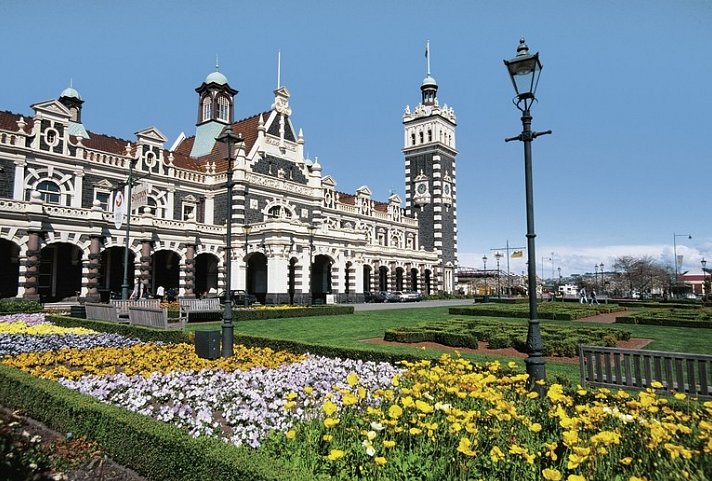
[
  {"x": 257, "y": 314},
  {"x": 655, "y": 321},
  {"x": 144, "y": 333},
  {"x": 545, "y": 311},
  {"x": 156, "y": 450},
  {"x": 19, "y": 306}
]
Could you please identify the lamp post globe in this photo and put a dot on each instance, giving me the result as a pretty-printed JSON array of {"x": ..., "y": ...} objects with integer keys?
[{"x": 524, "y": 70}]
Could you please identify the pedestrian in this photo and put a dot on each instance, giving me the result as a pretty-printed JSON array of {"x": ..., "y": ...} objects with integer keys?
[
  {"x": 160, "y": 292},
  {"x": 594, "y": 300},
  {"x": 582, "y": 296}
]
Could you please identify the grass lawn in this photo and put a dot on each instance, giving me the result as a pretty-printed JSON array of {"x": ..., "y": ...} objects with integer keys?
[{"x": 350, "y": 330}]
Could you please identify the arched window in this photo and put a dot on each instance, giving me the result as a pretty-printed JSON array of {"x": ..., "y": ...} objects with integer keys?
[
  {"x": 412, "y": 139},
  {"x": 430, "y": 135},
  {"x": 49, "y": 192},
  {"x": 207, "y": 108},
  {"x": 278, "y": 211},
  {"x": 421, "y": 137},
  {"x": 223, "y": 109}
]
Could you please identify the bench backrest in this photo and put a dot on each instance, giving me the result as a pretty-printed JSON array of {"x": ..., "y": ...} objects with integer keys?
[
  {"x": 156, "y": 318},
  {"x": 123, "y": 306},
  {"x": 637, "y": 369},
  {"x": 101, "y": 312},
  {"x": 200, "y": 305}
]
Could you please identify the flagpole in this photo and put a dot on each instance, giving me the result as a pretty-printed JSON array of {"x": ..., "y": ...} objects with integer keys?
[
  {"x": 427, "y": 55},
  {"x": 509, "y": 276}
]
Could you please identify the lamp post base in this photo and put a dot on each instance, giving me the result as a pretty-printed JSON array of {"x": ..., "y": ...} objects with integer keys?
[{"x": 227, "y": 330}]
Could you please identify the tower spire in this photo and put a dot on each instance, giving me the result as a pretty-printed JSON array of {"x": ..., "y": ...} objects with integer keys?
[
  {"x": 427, "y": 55},
  {"x": 217, "y": 64}
]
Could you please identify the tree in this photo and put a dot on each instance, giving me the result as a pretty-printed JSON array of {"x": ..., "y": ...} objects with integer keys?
[{"x": 641, "y": 275}]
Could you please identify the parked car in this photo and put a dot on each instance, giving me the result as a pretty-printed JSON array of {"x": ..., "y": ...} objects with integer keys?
[
  {"x": 395, "y": 296},
  {"x": 377, "y": 296},
  {"x": 411, "y": 296},
  {"x": 238, "y": 298}
]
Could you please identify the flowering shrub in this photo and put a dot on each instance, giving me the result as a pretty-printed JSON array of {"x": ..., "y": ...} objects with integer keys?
[
  {"x": 454, "y": 420},
  {"x": 28, "y": 319}
]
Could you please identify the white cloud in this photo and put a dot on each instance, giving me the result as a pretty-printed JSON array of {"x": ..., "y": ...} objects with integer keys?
[{"x": 580, "y": 260}]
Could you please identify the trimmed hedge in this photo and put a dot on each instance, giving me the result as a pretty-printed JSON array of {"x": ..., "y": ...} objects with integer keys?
[
  {"x": 257, "y": 314},
  {"x": 547, "y": 310},
  {"x": 558, "y": 340},
  {"x": 659, "y": 321},
  {"x": 144, "y": 333},
  {"x": 154, "y": 449},
  {"x": 19, "y": 306}
]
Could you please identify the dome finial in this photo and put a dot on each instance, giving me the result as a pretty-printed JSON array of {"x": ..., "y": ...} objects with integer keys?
[
  {"x": 217, "y": 63},
  {"x": 522, "y": 49}
]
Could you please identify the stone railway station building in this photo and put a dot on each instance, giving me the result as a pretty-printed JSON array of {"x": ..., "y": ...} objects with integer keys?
[{"x": 295, "y": 237}]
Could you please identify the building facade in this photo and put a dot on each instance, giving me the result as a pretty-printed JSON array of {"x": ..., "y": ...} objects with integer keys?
[{"x": 295, "y": 237}]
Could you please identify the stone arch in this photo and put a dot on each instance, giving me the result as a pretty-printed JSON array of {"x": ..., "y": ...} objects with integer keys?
[
  {"x": 10, "y": 267},
  {"x": 256, "y": 275},
  {"x": 206, "y": 273}
]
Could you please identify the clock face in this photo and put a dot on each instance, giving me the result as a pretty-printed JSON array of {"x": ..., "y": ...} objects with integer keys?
[
  {"x": 422, "y": 188},
  {"x": 447, "y": 189}
]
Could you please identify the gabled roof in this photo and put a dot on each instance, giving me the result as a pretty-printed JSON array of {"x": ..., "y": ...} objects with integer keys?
[{"x": 8, "y": 121}]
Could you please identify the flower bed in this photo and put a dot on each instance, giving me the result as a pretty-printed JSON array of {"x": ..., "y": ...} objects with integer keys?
[{"x": 344, "y": 419}]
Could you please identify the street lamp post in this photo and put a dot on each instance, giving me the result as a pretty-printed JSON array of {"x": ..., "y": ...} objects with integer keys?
[
  {"x": 524, "y": 70},
  {"x": 246, "y": 228},
  {"x": 498, "y": 256},
  {"x": 595, "y": 268},
  {"x": 312, "y": 230},
  {"x": 484, "y": 264},
  {"x": 230, "y": 139},
  {"x": 705, "y": 287},
  {"x": 125, "y": 284},
  {"x": 674, "y": 253}
]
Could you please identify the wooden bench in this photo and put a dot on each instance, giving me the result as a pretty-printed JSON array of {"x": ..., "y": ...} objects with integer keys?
[
  {"x": 122, "y": 307},
  {"x": 154, "y": 317},
  {"x": 102, "y": 312},
  {"x": 200, "y": 309},
  {"x": 637, "y": 369}
]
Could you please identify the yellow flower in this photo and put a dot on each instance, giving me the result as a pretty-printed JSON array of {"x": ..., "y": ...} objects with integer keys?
[
  {"x": 551, "y": 474},
  {"x": 535, "y": 427},
  {"x": 395, "y": 411},
  {"x": 379, "y": 460},
  {"x": 407, "y": 402},
  {"x": 327, "y": 437},
  {"x": 656, "y": 385},
  {"x": 335, "y": 454},
  {"x": 291, "y": 396},
  {"x": 511, "y": 364},
  {"x": 626, "y": 461},
  {"x": 329, "y": 408},
  {"x": 680, "y": 396},
  {"x": 330, "y": 422},
  {"x": 415, "y": 431},
  {"x": 575, "y": 477},
  {"x": 352, "y": 379},
  {"x": 423, "y": 407},
  {"x": 291, "y": 434},
  {"x": 496, "y": 454},
  {"x": 349, "y": 399},
  {"x": 309, "y": 390},
  {"x": 388, "y": 443},
  {"x": 289, "y": 405},
  {"x": 636, "y": 478},
  {"x": 465, "y": 447}
]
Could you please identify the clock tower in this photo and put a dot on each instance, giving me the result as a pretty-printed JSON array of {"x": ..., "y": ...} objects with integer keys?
[{"x": 429, "y": 150}]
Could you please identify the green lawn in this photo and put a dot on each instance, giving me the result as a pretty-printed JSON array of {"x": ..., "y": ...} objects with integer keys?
[{"x": 350, "y": 330}]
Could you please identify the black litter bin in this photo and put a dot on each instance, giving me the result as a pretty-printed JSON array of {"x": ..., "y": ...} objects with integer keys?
[
  {"x": 78, "y": 311},
  {"x": 207, "y": 344}
]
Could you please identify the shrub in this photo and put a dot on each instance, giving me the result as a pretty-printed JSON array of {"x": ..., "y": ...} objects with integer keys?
[{"x": 19, "y": 306}]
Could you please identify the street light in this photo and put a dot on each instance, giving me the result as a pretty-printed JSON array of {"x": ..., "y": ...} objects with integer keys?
[
  {"x": 595, "y": 268},
  {"x": 312, "y": 230},
  {"x": 674, "y": 249},
  {"x": 125, "y": 284},
  {"x": 524, "y": 70},
  {"x": 484, "y": 264},
  {"x": 229, "y": 138},
  {"x": 246, "y": 228},
  {"x": 705, "y": 288},
  {"x": 498, "y": 256}
]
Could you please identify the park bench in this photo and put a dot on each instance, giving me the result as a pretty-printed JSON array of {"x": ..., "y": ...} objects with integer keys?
[
  {"x": 122, "y": 307},
  {"x": 153, "y": 317},
  {"x": 102, "y": 312},
  {"x": 636, "y": 369},
  {"x": 200, "y": 309}
]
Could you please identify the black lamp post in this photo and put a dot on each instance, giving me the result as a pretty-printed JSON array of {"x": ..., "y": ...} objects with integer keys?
[
  {"x": 229, "y": 138},
  {"x": 524, "y": 70},
  {"x": 312, "y": 230},
  {"x": 674, "y": 253},
  {"x": 498, "y": 256},
  {"x": 484, "y": 263},
  {"x": 125, "y": 284},
  {"x": 246, "y": 229},
  {"x": 705, "y": 285}
]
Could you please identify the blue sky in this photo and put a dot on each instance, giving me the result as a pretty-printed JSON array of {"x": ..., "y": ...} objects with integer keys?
[{"x": 624, "y": 88}]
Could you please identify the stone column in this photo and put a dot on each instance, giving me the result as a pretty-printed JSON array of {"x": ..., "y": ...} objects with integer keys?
[
  {"x": 32, "y": 267},
  {"x": 145, "y": 266},
  {"x": 189, "y": 271},
  {"x": 94, "y": 265}
]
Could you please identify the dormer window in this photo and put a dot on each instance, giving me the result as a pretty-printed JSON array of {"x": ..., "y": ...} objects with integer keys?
[
  {"x": 223, "y": 109},
  {"x": 51, "y": 137},
  {"x": 207, "y": 108}
]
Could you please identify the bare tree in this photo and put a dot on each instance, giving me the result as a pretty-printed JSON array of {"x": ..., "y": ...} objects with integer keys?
[{"x": 641, "y": 274}]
